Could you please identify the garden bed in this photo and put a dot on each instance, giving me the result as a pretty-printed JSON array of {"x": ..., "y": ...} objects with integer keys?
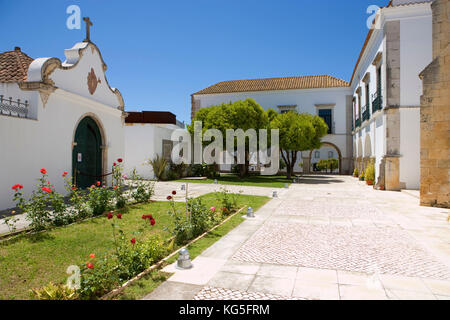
[{"x": 32, "y": 261}]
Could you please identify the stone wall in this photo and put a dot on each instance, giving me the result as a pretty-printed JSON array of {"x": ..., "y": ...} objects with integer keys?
[
  {"x": 392, "y": 110},
  {"x": 435, "y": 115}
]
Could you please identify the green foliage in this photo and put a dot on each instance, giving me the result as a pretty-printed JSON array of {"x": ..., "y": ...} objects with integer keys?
[
  {"x": 298, "y": 132},
  {"x": 355, "y": 172},
  {"x": 327, "y": 164},
  {"x": 197, "y": 170},
  {"x": 119, "y": 184},
  {"x": 37, "y": 206},
  {"x": 99, "y": 200},
  {"x": 159, "y": 165},
  {"x": 247, "y": 114},
  {"x": 370, "y": 173},
  {"x": 99, "y": 276},
  {"x": 54, "y": 292},
  {"x": 142, "y": 191},
  {"x": 189, "y": 224},
  {"x": 227, "y": 200}
]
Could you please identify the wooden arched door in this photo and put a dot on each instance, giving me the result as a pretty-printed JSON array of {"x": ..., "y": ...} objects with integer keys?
[{"x": 87, "y": 154}]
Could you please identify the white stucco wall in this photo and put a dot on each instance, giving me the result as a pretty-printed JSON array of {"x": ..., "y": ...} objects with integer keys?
[
  {"x": 27, "y": 145},
  {"x": 307, "y": 101},
  {"x": 144, "y": 142},
  {"x": 410, "y": 147},
  {"x": 415, "y": 54}
]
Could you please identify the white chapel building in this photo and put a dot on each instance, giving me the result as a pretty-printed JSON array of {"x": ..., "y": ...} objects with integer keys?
[{"x": 62, "y": 116}]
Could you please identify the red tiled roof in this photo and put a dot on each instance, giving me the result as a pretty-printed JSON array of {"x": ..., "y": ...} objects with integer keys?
[
  {"x": 287, "y": 83},
  {"x": 14, "y": 65}
]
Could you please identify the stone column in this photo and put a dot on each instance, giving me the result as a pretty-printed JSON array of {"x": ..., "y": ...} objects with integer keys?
[
  {"x": 391, "y": 159},
  {"x": 435, "y": 115}
]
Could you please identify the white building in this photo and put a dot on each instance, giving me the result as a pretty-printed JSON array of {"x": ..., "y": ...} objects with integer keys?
[
  {"x": 324, "y": 95},
  {"x": 148, "y": 134},
  {"x": 386, "y": 93},
  {"x": 375, "y": 117},
  {"x": 62, "y": 116}
]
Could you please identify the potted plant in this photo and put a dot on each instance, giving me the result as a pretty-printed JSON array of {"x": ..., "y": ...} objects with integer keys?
[
  {"x": 361, "y": 176},
  {"x": 370, "y": 174},
  {"x": 382, "y": 187},
  {"x": 355, "y": 173}
]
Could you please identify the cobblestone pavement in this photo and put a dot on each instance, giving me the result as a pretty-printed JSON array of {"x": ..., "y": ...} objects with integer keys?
[
  {"x": 210, "y": 293},
  {"x": 382, "y": 250},
  {"x": 329, "y": 237},
  {"x": 323, "y": 209}
]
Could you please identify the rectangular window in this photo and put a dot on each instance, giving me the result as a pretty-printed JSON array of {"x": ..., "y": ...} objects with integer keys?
[
  {"x": 325, "y": 114},
  {"x": 330, "y": 154},
  {"x": 317, "y": 154},
  {"x": 367, "y": 95},
  {"x": 379, "y": 80}
]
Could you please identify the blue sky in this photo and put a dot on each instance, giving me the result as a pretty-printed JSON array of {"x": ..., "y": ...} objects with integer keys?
[{"x": 160, "y": 52}]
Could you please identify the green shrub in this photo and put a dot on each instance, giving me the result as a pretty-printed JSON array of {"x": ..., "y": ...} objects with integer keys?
[
  {"x": 197, "y": 170},
  {"x": 142, "y": 191},
  {"x": 370, "y": 173},
  {"x": 227, "y": 200},
  {"x": 54, "y": 292},
  {"x": 99, "y": 200},
  {"x": 159, "y": 165},
  {"x": 355, "y": 172}
]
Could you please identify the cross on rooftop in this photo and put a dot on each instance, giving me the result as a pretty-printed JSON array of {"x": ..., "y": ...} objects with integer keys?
[{"x": 88, "y": 31}]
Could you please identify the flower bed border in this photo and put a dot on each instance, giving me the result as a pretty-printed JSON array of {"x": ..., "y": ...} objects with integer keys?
[{"x": 118, "y": 290}]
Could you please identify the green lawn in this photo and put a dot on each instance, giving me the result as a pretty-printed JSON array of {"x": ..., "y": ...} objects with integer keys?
[
  {"x": 253, "y": 180},
  {"x": 148, "y": 283},
  {"x": 33, "y": 261}
]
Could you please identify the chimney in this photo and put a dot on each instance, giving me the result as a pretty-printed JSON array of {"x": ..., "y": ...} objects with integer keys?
[{"x": 16, "y": 48}]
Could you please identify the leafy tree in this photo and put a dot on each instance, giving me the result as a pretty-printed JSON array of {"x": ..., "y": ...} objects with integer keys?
[
  {"x": 298, "y": 132},
  {"x": 247, "y": 114}
]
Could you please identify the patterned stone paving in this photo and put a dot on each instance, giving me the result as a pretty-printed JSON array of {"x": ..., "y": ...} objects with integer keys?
[
  {"x": 324, "y": 209},
  {"x": 365, "y": 249},
  {"x": 211, "y": 293}
]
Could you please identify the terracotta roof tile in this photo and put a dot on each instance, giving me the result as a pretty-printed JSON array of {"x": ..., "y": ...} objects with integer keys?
[
  {"x": 14, "y": 66},
  {"x": 287, "y": 83}
]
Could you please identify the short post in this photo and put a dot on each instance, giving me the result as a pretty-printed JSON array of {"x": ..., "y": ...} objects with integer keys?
[
  {"x": 183, "y": 187},
  {"x": 250, "y": 213},
  {"x": 286, "y": 186},
  {"x": 215, "y": 181},
  {"x": 184, "y": 261},
  {"x": 274, "y": 194}
]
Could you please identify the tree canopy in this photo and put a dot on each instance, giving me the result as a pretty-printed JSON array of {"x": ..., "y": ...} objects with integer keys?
[{"x": 298, "y": 132}]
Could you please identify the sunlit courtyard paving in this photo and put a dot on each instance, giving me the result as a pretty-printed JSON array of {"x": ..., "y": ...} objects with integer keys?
[{"x": 329, "y": 237}]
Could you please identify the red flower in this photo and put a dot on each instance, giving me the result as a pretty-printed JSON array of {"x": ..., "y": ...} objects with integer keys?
[
  {"x": 110, "y": 215},
  {"x": 119, "y": 216},
  {"x": 174, "y": 192},
  {"x": 114, "y": 164},
  {"x": 169, "y": 197},
  {"x": 119, "y": 160},
  {"x": 98, "y": 183},
  {"x": 43, "y": 171},
  {"x": 133, "y": 241},
  {"x": 65, "y": 174},
  {"x": 152, "y": 221},
  {"x": 17, "y": 186},
  {"x": 92, "y": 255},
  {"x": 89, "y": 265},
  {"x": 115, "y": 187},
  {"x": 46, "y": 189},
  {"x": 74, "y": 188}
]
